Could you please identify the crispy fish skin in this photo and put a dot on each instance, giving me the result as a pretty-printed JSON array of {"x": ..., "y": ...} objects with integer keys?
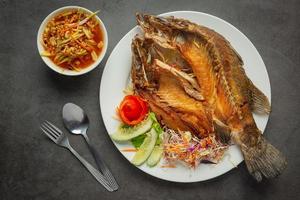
[
  {"x": 166, "y": 93},
  {"x": 227, "y": 91}
]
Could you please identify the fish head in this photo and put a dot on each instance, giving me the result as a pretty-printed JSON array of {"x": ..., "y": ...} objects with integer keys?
[
  {"x": 157, "y": 28},
  {"x": 167, "y": 32},
  {"x": 153, "y": 24}
]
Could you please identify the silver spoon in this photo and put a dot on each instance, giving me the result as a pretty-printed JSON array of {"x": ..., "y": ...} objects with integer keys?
[{"x": 77, "y": 122}]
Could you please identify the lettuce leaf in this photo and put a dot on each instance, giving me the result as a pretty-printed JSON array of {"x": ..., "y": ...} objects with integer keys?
[{"x": 138, "y": 141}]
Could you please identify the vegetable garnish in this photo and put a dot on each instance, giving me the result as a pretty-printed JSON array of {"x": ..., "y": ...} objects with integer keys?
[
  {"x": 145, "y": 149},
  {"x": 138, "y": 141},
  {"x": 144, "y": 136},
  {"x": 157, "y": 128},
  {"x": 168, "y": 166},
  {"x": 73, "y": 39},
  {"x": 130, "y": 150},
  {"x": 126, "y": 132},
  {"x": 133, "y": 109},
  {"x": 190, "y": 150}
]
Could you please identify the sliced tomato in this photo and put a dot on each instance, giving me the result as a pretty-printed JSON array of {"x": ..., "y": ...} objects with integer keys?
[{"x": 133, "y": 109}]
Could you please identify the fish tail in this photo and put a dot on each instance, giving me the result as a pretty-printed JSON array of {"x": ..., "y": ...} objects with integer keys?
[{"x": 263, "y": 159}]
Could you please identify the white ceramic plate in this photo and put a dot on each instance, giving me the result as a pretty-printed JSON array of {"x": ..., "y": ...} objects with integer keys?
[{"x": 116, "y": 76}]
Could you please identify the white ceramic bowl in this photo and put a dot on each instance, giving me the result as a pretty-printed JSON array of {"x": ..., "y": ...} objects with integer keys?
[{"x": 55, "y": 67}]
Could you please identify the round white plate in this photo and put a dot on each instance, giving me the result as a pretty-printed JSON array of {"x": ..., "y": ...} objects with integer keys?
[{"x": 116, "y": 76}]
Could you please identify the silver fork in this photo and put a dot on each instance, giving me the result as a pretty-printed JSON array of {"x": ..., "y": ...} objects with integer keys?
[{"x": 58, "y": 137}]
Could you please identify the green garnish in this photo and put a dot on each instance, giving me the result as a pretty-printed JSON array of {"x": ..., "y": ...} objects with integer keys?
[{"x": 138, "y": 141}]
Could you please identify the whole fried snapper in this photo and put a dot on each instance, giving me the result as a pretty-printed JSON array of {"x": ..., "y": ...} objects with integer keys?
[{"x": 194, "y": 81}]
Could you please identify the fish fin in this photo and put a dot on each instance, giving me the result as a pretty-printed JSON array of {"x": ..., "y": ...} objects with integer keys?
[
  {"x": 263, "y": 160},
  {"x": 259, "y": 103},
  {"x": 223, "y": 132}
]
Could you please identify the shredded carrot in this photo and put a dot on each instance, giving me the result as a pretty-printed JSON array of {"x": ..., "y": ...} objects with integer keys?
[
  {"x": 168, "y": 166},
  {"x": 129, "y": 150}
]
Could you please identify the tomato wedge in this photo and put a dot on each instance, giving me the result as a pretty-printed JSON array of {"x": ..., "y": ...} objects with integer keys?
[{"x": 133, "y": 109}]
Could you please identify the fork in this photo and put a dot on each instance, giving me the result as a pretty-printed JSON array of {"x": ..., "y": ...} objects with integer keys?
[{"x": 58, "y": 137}]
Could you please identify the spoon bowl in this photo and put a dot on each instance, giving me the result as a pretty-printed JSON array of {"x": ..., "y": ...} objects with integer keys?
[{"x": 75, "y": 119}]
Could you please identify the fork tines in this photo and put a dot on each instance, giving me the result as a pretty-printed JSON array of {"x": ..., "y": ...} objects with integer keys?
[{"x": 51, "y": 131}]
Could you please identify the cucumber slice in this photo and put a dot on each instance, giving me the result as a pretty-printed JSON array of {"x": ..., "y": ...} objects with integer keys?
[
  {"x": 125, "y": 134},
  {"x": 155, "y": 156},
  {"x": 145, "y": 149}
]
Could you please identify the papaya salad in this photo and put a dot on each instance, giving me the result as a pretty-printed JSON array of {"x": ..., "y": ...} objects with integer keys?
[
  {"x": 73, "y": 39},
  {"x": 152, "y": 140}
]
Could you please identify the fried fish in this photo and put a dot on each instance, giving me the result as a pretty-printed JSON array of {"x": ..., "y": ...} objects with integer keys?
[{"x": 194, "y": 80}]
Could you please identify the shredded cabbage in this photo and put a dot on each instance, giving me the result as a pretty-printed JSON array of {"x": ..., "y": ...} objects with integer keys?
[{"x": 186, "y": 148}]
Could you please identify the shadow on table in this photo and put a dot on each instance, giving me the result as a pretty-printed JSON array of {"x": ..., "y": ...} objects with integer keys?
[{"x": 65, "y": 83}]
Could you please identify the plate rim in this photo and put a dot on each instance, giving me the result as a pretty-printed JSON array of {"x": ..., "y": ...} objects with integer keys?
[{"x": 168, "y": 14}]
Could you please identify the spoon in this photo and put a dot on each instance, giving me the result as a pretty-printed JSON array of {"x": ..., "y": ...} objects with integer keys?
[{"x": 77, "y": 122}]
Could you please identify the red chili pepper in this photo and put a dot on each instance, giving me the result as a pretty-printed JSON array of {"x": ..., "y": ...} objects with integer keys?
[{"x": 133, "y": 109}]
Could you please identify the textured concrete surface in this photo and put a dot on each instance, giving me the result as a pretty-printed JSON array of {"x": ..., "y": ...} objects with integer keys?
[{"x": 32, "y": 167}]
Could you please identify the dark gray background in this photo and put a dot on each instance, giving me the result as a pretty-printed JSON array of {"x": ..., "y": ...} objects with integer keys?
[{"x": 32, "y": 167}]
